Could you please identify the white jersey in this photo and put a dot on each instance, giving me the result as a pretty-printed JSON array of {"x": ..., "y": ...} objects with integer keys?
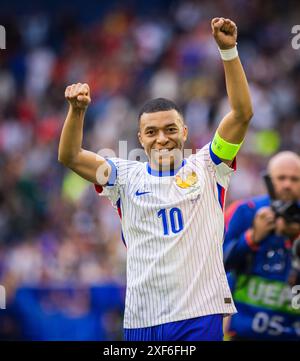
[{"x": 173, "y": 228}]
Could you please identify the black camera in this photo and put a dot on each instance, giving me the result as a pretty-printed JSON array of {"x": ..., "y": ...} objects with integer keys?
[{"x": 288, "y": 210}]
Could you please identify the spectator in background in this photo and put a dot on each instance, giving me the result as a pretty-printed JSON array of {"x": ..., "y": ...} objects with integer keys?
[{"x": 262, "y": 252}]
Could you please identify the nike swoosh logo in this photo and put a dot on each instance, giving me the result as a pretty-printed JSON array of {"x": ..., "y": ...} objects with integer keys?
[{"x": 137, "y": 193}]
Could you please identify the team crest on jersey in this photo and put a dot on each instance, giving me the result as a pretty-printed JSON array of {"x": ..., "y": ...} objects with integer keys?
[{"x": 190, "y": 180}]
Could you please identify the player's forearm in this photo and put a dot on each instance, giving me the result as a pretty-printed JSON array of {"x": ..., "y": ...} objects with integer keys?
[
  {"x": 71, "y": 136},
  {"x": 238, "y": 90}
]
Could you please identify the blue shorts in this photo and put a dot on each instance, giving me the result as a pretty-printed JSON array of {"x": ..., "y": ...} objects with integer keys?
[{"x": 205, "y": 328}]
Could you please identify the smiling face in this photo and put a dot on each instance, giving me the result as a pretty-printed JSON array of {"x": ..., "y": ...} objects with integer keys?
[{"x": 162, "y": 134}]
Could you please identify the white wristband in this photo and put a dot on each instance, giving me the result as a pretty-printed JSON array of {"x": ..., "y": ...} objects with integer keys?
[{"x": 229, "y": 54}]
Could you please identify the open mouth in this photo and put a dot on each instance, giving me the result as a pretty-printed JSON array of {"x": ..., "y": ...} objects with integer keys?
[
  {"x": 163, "y": 151},
  {"x": 167, "y": 156}
]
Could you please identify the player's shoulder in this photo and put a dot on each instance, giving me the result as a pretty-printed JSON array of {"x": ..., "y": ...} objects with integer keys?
[
  {"x": 122, "y": 164},
  {"x": 205, "y": 158},
  {"x": 201, "y": 156},
  {"x": 123, "y": 161},
  {"x": 123, "y": 169}
]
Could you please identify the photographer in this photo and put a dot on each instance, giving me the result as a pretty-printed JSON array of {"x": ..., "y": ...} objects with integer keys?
[{"x": 261, "y": 251}]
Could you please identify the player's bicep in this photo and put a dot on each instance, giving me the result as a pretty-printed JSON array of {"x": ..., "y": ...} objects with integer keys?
[
  {"x": 233, "y": 128},
  {"x": 91, "y": 167}
]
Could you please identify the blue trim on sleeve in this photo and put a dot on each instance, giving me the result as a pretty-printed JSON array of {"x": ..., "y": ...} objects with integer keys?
[
  {"x": 113, "y": 174},
  {"x": 167, "y": 173},
  {"x": 118, "y": 204},
  {"x": 221, "y": 191},
  {"x": 214, "y": 157},
  {"x": 123, "y": 239}
]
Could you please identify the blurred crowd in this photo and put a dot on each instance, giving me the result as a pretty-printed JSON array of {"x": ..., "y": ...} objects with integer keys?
[{"x": 54, "y": 229}]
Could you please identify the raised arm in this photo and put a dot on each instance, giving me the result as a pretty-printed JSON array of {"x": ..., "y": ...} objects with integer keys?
[
  {"x": 87, "y": 164},
  {"x": 234, "y": 125}
]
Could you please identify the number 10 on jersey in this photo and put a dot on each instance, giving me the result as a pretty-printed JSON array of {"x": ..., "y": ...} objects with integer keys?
[{"x": 172, "y": 220}]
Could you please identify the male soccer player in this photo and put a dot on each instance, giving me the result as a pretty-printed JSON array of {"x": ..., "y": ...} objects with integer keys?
[{"x": 171, "y": 208}]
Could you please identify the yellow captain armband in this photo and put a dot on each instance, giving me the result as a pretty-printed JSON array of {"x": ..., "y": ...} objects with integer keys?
[{"x": 223, "y": 149}]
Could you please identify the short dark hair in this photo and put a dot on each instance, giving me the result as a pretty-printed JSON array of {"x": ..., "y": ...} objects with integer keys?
[{"x": 158, "y": 105}]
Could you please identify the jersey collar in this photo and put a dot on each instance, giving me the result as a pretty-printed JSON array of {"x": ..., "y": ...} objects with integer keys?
[{"x": 166, "y": 173}]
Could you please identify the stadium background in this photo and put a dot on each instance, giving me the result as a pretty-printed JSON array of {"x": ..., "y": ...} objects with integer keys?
[{"x": 62, "y": 260}]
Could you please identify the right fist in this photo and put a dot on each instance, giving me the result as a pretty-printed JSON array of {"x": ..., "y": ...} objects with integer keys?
[
  {"x": 78, "y": 95},
  {"x": 224, "y": 32},
  {"x": 263, "y": 224}
]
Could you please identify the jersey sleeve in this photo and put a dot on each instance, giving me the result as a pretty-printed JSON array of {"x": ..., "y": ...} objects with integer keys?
[
  {"x": 119, "y": 177},
  {"x": 215, "y": 166}
]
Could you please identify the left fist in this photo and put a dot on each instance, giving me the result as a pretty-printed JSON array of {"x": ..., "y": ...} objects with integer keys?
[{"x": 224, "y": 32}]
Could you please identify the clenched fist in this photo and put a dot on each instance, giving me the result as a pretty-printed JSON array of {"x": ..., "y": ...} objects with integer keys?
[
  {"x": 224, "y": 32},
  {"x": 78, "y": 95}
]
